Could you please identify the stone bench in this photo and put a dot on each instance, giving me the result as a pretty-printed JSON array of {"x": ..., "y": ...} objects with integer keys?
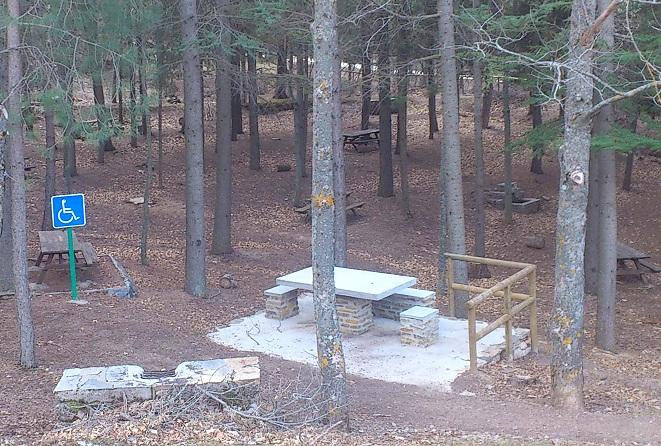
[
  {"x": 391, "y": 306},
  {"x": 419, "y": 326},
  {"x": 281, "y": 302}
]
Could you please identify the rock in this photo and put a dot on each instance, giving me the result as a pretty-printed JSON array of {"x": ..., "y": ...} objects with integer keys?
[
  {"x": 85, "y": 284},
  {"x": 522, "y": 380},
  {"x": 535, "y": 242},
  {"x": 466, "y": 393},
  {"x": 38, "y": 287},
  {"x": 227, "y": 282},
  {"x": 283, "y": 168}
]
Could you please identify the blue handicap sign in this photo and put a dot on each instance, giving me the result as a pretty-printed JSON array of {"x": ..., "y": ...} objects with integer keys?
[{"x": 68, "y": 211}]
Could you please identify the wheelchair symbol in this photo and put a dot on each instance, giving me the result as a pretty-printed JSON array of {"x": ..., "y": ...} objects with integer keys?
[{"x": 68, "y": 212}]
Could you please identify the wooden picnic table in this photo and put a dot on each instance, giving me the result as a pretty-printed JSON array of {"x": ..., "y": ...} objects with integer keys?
[
  {"x": 54, "y": 243},
  {"x": 640, "y": 260},
  {"x": 307, "y": 209},
  {"x": 361, "y": 137}
]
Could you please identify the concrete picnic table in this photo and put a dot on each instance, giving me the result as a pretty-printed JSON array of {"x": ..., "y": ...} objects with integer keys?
[{"x": 355, "y": 291}]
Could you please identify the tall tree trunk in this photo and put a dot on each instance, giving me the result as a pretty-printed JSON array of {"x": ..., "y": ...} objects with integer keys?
[
  {"x": 144, "y": 102},
  {"x": 69, "y": 142},
  {"x": 300, "y": 128},
  {"x": 6, "y": 264},
  {"x": 402, "y": 140},
  {"x": 196, "y": 282},
  {"x": 18, "y": 199},
  {"x": 567, "y": 320},
  {"x": 628, "y": 168},
  {"x": 452, "y": 150},
  {"x": 120, "y": 98},
  {"x": 253, "y": 112},
  {"x": 142, "y": 89},
  {"x": 606, "y": 286},
  {"x": 329, "y": 342},
  {"x": 431, "y": 99},
  {"x": 386, "y": 187},
  {"x": 134, "y": 116},
  {"x": 538, "y": 151},
  {"x": 103, "y": 118},
  {"x": 49, "y": 180},
  {"x": 160, "y": 134},
  {"x": 281, "y": 73},
  {"x": 339, "y": 182},
  {"x": 237, "y": 110},
  {"x": 508, "y": 151},
  {"x": 479, "y": 248},
  {"x": 222, "y": 221},
  {"x": 366, "y": 89},
  {"x": 487, "y": 101},
  {"x": 591, "y": 258}
]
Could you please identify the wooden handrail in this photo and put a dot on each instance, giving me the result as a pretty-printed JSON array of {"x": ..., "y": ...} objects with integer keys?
[
  {"x": 500, "y": 286},
  {"x": 501, "y": 289}
]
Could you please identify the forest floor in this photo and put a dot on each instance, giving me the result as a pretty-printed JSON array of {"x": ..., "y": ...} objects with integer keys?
[{"x": 165, "y": 326}]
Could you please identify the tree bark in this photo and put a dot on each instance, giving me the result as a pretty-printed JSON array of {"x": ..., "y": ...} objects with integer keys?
[
  {"x": 102, "y": 117},
  {"x": 628, "y": 168},
  {"x": 142, "y": 89},
  {"x": 6, "y": 264},
  {"x": 160, "y": 134},
  {"x": 19, "y": 209},
  {"x": 591, "y": 262},
  {"x": 196, "y": 283},
  {"x": 237, "y": 109},
  {"x": 144, "y": 102},
  {"x": 326, "y": 85},
  {"x": 487, "y": 101},
  {"x": 479, "y": 270},
  {"x": 281, "y": 73},
  {"x": 508, "y": 152},
  {"x": 49, "y": 180},
  {"x": 222, "y": 222},
  {"x": 253, "y": 113},
  {"x": 134, "y": 117},
  {"x": 431, "y": 99},
  {"x": 402, "y": 140},
  {"x": 567, "y": 321},
  {"x": 606, "y": 286},
  {"x": 339, "y": 182},
  {"x": 366, "y": 90},
  {"x": 452, "y": 150},
  {"x": 120, "y": 99},
  {"x": 386, "y": 187},
  {"x": 537, "y": 152},
  {"x": 300, "y": 128}
]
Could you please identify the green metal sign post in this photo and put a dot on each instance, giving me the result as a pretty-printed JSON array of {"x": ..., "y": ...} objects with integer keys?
[
  {"x": 72, "y": 265},
  {"x": 67, "y": 212}
]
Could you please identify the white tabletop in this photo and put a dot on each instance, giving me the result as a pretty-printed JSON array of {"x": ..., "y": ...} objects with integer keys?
[{"x": 357, "y": 283}]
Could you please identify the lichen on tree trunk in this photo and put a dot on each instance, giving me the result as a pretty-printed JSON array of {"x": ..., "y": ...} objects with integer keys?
[
  {"x": 567, "y": 320},
  {"x": 325, "y": 89}
]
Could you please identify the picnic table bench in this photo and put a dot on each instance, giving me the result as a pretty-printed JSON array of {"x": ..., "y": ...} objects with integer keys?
[
  {"x": 641, "y": 261},
  {"x": 361, "y": 137},
  {"x": 307, "y": 209},
  {"x": 54, "y": 243}
]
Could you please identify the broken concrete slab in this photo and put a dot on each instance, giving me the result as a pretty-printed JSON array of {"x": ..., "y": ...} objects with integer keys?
[{"x": 131, "y": 382}]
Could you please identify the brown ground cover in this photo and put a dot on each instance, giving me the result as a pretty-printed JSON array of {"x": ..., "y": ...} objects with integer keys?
[{"x": 164, "y": 326}]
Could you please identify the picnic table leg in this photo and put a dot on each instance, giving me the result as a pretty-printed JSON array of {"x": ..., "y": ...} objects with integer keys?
[
  {"x": 40, "y": 257},
  {"x": 640, "y": 270},
  {"x": 44, "y": 269},
  {"x": 355, "y": 315}
]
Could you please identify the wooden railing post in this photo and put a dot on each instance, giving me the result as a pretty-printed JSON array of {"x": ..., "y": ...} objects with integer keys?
[
  {"x": 450, "y": 273},
  {"x": 508, "y": 324},
  {"x": 532, "y": 291},
  {"x": 472, "y": 339}
]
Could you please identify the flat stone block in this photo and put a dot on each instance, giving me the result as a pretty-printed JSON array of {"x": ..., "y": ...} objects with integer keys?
[{"x": 418, "y": 312}]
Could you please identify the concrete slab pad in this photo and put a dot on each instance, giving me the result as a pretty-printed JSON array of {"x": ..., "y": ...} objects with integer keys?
[
  {"x": 105, "y": 384},
  {"x": 377, "y": 354}
]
